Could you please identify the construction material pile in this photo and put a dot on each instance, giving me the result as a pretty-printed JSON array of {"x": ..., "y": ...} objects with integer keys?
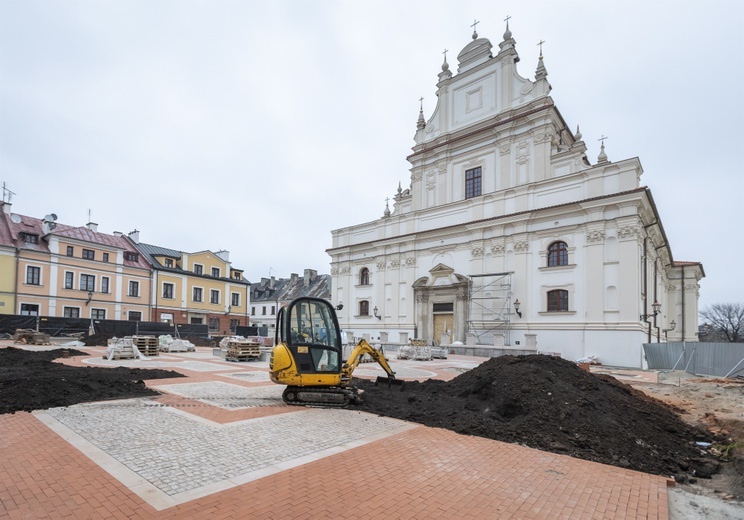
[
  {"x": 551, "y": 404},
  {"x": 32, "y": 381}
]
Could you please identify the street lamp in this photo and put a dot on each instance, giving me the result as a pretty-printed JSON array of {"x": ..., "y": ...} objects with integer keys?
[
  {"x": 90, "y": 297},
  {"x": 656, "y": 306},
  {"x": 375, "y": 313},
  {"x": 516, "y": 307}
]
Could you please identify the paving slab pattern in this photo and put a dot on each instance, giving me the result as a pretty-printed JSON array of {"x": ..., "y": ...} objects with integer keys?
[
  {"x": 176, "y": 452},
  {"x": 175, "y": 457}
]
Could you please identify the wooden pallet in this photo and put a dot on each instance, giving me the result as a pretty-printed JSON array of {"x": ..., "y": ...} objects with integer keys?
[
  {"x": 147, "y": 345},
  {"x": 242, "y": 350}
]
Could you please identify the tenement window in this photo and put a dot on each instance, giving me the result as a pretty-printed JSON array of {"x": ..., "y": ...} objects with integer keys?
[
  {"x": 364, "y": 276},
  {"x": 87, "y": 282},
  {"x": 197, "y": 295},
  {"x": 364, "y": 308},
  {"x": 214, "y": 296},
  {"x": 133, "y": 288},
  {"x": 168, "y": 291},
  {"x": 89, "y": 254},
  {"x": 33, "y": 275}
]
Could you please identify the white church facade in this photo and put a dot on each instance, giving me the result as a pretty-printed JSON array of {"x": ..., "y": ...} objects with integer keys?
[{"x": 510, "y": 237}]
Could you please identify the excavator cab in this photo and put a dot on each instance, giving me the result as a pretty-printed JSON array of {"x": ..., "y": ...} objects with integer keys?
[{"x": 308, "y": 327}]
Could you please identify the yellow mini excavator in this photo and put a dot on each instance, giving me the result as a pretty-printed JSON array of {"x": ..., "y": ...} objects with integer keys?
[{"x": 308, "y": 356}]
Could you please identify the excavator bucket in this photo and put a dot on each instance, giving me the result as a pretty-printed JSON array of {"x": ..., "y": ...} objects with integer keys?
[{"x": 389, "y": 382}]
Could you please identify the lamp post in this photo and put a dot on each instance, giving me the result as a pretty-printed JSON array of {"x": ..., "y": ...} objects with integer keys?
[
  {"x": 376, "y": 314},
  {"x": 656, "y": 306},
  {"x": 516, "y": 307}
]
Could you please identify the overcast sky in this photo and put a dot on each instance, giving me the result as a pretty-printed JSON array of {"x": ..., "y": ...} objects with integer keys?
[{"x": 260, "y": 126}]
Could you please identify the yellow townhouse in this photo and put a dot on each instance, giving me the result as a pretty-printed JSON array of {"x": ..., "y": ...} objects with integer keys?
[{"x": 198, "y": 288}]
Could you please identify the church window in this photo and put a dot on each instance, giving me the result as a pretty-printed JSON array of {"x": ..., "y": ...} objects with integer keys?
[
  {"x": 558, "y": 301},
  {"x": 364, "y": 308},
  {"x": 472, "y": 182},
  {"x": 364, "y": 276},
  {"x": 557, "y": 254}
]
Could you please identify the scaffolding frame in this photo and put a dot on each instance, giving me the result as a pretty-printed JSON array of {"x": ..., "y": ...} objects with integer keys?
[{"x": 489, "y": 306}]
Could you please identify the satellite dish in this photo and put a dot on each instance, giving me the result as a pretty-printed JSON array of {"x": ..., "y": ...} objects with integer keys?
[
  {"x": 54, "y": 216},
  {"x": 50, "y": 218},
  {"x": 15, "y": 218}
]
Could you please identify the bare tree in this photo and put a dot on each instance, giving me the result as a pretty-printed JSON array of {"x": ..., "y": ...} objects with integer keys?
[{"x": 727, "y": 320}]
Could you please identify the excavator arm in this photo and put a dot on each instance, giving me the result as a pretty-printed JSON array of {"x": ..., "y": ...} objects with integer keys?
[{"x": 355, "y": 358}]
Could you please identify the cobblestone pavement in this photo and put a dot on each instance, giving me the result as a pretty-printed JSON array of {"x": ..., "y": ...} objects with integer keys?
[{"x": 221, "y": 444}]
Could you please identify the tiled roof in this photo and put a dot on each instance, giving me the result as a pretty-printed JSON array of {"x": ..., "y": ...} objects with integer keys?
[
  {"x": 151, "y": 251},
  {"x": 287, "y": 289},
  {"x": 10, "y": 232}
]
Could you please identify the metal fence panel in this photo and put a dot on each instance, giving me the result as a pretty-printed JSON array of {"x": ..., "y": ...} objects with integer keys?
[{"x": 714, "y": 359}]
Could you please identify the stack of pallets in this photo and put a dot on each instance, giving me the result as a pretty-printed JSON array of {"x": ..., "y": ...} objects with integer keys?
[
  {"x": 120, "y": 348},
  {"x": 147, "y": 345},
  {"x": 242, "y": 350}
]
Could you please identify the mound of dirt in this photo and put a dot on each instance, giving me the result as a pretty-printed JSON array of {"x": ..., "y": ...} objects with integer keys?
[
  {"x": 552, "y": 405},
  {"x": 32, "y": 381}
]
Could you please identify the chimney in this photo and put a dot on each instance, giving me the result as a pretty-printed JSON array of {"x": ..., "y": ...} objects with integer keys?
[
  {"x": 294, "y": 277},
  {"x": 118, "y": 234},
  {"x": 310, "y": 275},
  {"x": 92, "y": 226},
  {"x": 264, "y": 281},
  {"x": 134, "y": 235},
  {"x": 6, "y": 207},
  {"x": 272, "y": 284},
  {"x": 225, "y": 255}
]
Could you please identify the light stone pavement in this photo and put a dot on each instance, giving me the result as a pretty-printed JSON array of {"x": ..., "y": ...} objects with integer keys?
[
  {"x": 178, "y": 456},
  {"x": 225, "y": 395},
  {"x": 254, "y": 376}
]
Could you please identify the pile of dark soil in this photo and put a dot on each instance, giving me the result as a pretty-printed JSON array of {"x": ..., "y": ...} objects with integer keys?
[
  {"x": 98, "y": 340},
  {"x": 552, "y": 405},
  {"x": 32, "y": 381}
]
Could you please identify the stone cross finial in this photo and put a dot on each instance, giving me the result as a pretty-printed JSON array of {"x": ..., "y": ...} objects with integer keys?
[{"x": 541, "y": 44}]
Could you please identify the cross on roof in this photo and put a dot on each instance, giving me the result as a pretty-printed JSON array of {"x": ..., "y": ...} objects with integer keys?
[
  {"x": 445, "y": 54},
  {"x": 541, "y": 44},
  {"x": 507, "y": 19},
  {"x": 475, "y": 22},
  {"x": 421, "y": 100},
  {"x": 602, "y": 139}
]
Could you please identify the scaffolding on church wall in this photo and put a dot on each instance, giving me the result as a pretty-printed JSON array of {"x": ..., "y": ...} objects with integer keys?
[{"x": 489, "y": 307}]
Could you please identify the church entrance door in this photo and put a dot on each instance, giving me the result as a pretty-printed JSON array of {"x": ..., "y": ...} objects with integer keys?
[{"x": 443, "y": 325}]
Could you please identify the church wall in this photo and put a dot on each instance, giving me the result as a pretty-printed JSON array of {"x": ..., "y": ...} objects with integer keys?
[{"x": 537, "y": 186}]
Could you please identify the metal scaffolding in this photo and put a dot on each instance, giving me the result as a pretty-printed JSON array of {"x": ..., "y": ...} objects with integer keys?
[{"x": 489, "y": 307}]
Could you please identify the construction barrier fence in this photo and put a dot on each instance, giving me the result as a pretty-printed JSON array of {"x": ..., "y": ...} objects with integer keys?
[
  {"x": 713, "y": 359},
  {"x": 56, "y": 326}
]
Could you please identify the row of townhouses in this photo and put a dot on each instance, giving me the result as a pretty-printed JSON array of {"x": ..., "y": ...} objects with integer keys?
[{"x": 52, "y": 269}]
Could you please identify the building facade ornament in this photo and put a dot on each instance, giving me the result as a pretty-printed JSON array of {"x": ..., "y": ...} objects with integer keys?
[
  {"x": 395, "y": 263},
  {"x": 477, "y": 252},
  {"x": 629, "y": 232},
  {"x": 381, "y": 265},
  {"x": 595, "y": 236},
  {"x": 498, "y": 249},
  {"x": 521, "y": 246}
]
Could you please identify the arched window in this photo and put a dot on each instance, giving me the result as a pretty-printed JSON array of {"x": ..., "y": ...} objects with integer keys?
[
  {"x": 557, "y": 254},
  {"x": 364, "y": 276},
  {"x": 558, "y": 301},
  {"x": 364, "y": 308}
]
